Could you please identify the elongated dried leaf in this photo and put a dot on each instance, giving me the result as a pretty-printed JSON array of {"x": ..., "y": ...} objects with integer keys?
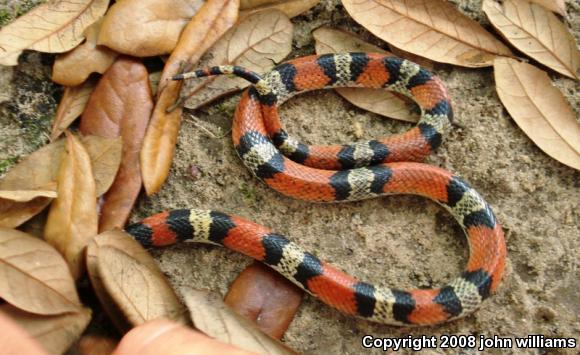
[
  {"x": 422, "y": 61},
  {"x": 53, "y": 27},
  {"x": 54, "y": 333},
  {"x": 121, "y": 106},
  {"x": 13, "y": 214},
  {"x": 257, "y": 43},
  {"x": 539, "y": 109},
  {"x": 133, "y": 280},
  {"x": 33, "y": 275},
  {"x": 291, "y": 8},
  {"x": 144, "y": 28},
  {"x": 537, "y": 32},
  {"x": 265, "y": 297},
  {"x": 39, "y": 170},
  {"x": 71, "y": 106},
  {"x": 210, "y": 315},
  {"x": 74, "y": 67},
  {"x": 26, "y": 195},
  {"x": 382, "y": 102},
  {"x": 557, "y": 6},
  {"x": 434, "y": 29},
  {"x": 212, "y": 21},
  {"x": 113, "y": 311},
  {"x": 72, "y": 220}
]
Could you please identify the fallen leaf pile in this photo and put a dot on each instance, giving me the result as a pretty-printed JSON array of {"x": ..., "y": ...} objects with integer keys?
[{"x": 88, "y": 179}]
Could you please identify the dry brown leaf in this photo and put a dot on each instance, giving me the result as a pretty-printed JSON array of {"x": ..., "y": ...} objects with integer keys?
[
  {"x": 13, "y": 214},
  {"x": 265, "y": 297},
  {"x": 382, "y": 102},
  {"x": 434, "y": 29},
  {"x": 557, "y": 6},
  {"x": 539, "y": 109},
  {"x": 121, "y": 106},
  {"x": 257, "y": 43},
  {"x": 39, "y": 170},
  {"x": 33, "y": 275},
  {"x": 72, "y": 220},
  {"x": 54, "y": 333},
  {"x": 54, "y": 27},
  {"x": 71, "y": 106},
  {"x": 113, "y": 311},
  {"x": 210, "y": 315},
  {"x": 211, "y": 22},
  {"x": 145, "y": 28},
  {"x": 291, "y": 8},
  {"x": 133, "y": 280},
  {"x": 537, "y": 32},
  {"x": 74, "y": 67},
  {"x": 26, "y": 195}
]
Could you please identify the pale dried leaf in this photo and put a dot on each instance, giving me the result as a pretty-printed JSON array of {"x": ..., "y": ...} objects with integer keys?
[
  {"x": 13, "y": 214},
  {"x": 107, "y": 302},
  {"x": 210, "y": 315},
  {"x": 291, "y": 8},
  {"x": 53, "y": 27},
  {"x": 74, "y": 67},
  {"x": 54, "y": 333},
  {"x": 34, "y": 276},
  {"x": 539, "y": 109},
  {"x": 211, "y": 22},
  {"x": 382, "y": 102},
  {"x": 133, "y": 280},
  {"x": 557, "y": 6},
  {"x": 434, "y": 29},
  {"x": 537, "y": 32},
  {"x": 26, "y": 195},
  {"x": 257, "y": 43},
  {"x": 39, "y": 170},
  {"x": 72, "y": 221},
  {"x": 144, "y": 28},
  {"x": 71, "y": 106}
]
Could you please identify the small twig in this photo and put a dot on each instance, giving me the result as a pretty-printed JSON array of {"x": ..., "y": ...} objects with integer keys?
[{"x": 196, "y": 123}]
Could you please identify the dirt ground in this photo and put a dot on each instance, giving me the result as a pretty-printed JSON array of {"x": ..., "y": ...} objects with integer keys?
[{"x": 401, "y": 241}]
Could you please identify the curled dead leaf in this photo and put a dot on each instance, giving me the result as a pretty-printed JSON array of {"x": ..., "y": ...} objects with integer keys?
[
  {"x": 54, "y": 27},
  {"x": 539, "y": 109},
  {"x": 74, "y": 67},
  {"x": 434, "y": 29},
  {"x": 257, "y": 43},
  {"x": 211, "y": 22},
  {"x": 145, "y": 28},
  {"x": 96, "y": 345},
  {"x": 33, "y": 275},
  {"x": 39, "y": 170},
  {"x": 265, "y": 297},
  {"x": 72, "y": 219},
  {"x": 54, "y": 333},
  {"x": 382, "y": 102},
  {"x": 13, "y": 214},
  {"x": 71, "y": 105},
  {"x": 537, "y": 32},
  {"x": 132, "y": 280},
  {"x": 291, "y": 8},
  {"x": 121, "y": 106},
  {"x": 211, "y": 316}
]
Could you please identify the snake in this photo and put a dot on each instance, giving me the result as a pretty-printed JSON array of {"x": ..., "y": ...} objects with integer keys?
[{"x": 346, "y": 172}]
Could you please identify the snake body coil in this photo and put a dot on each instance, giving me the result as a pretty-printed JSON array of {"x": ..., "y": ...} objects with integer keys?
[{"x": 346, "y": 173}]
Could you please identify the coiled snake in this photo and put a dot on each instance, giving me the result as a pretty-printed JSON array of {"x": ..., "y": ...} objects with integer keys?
[{"x": 346, "y": 173}]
